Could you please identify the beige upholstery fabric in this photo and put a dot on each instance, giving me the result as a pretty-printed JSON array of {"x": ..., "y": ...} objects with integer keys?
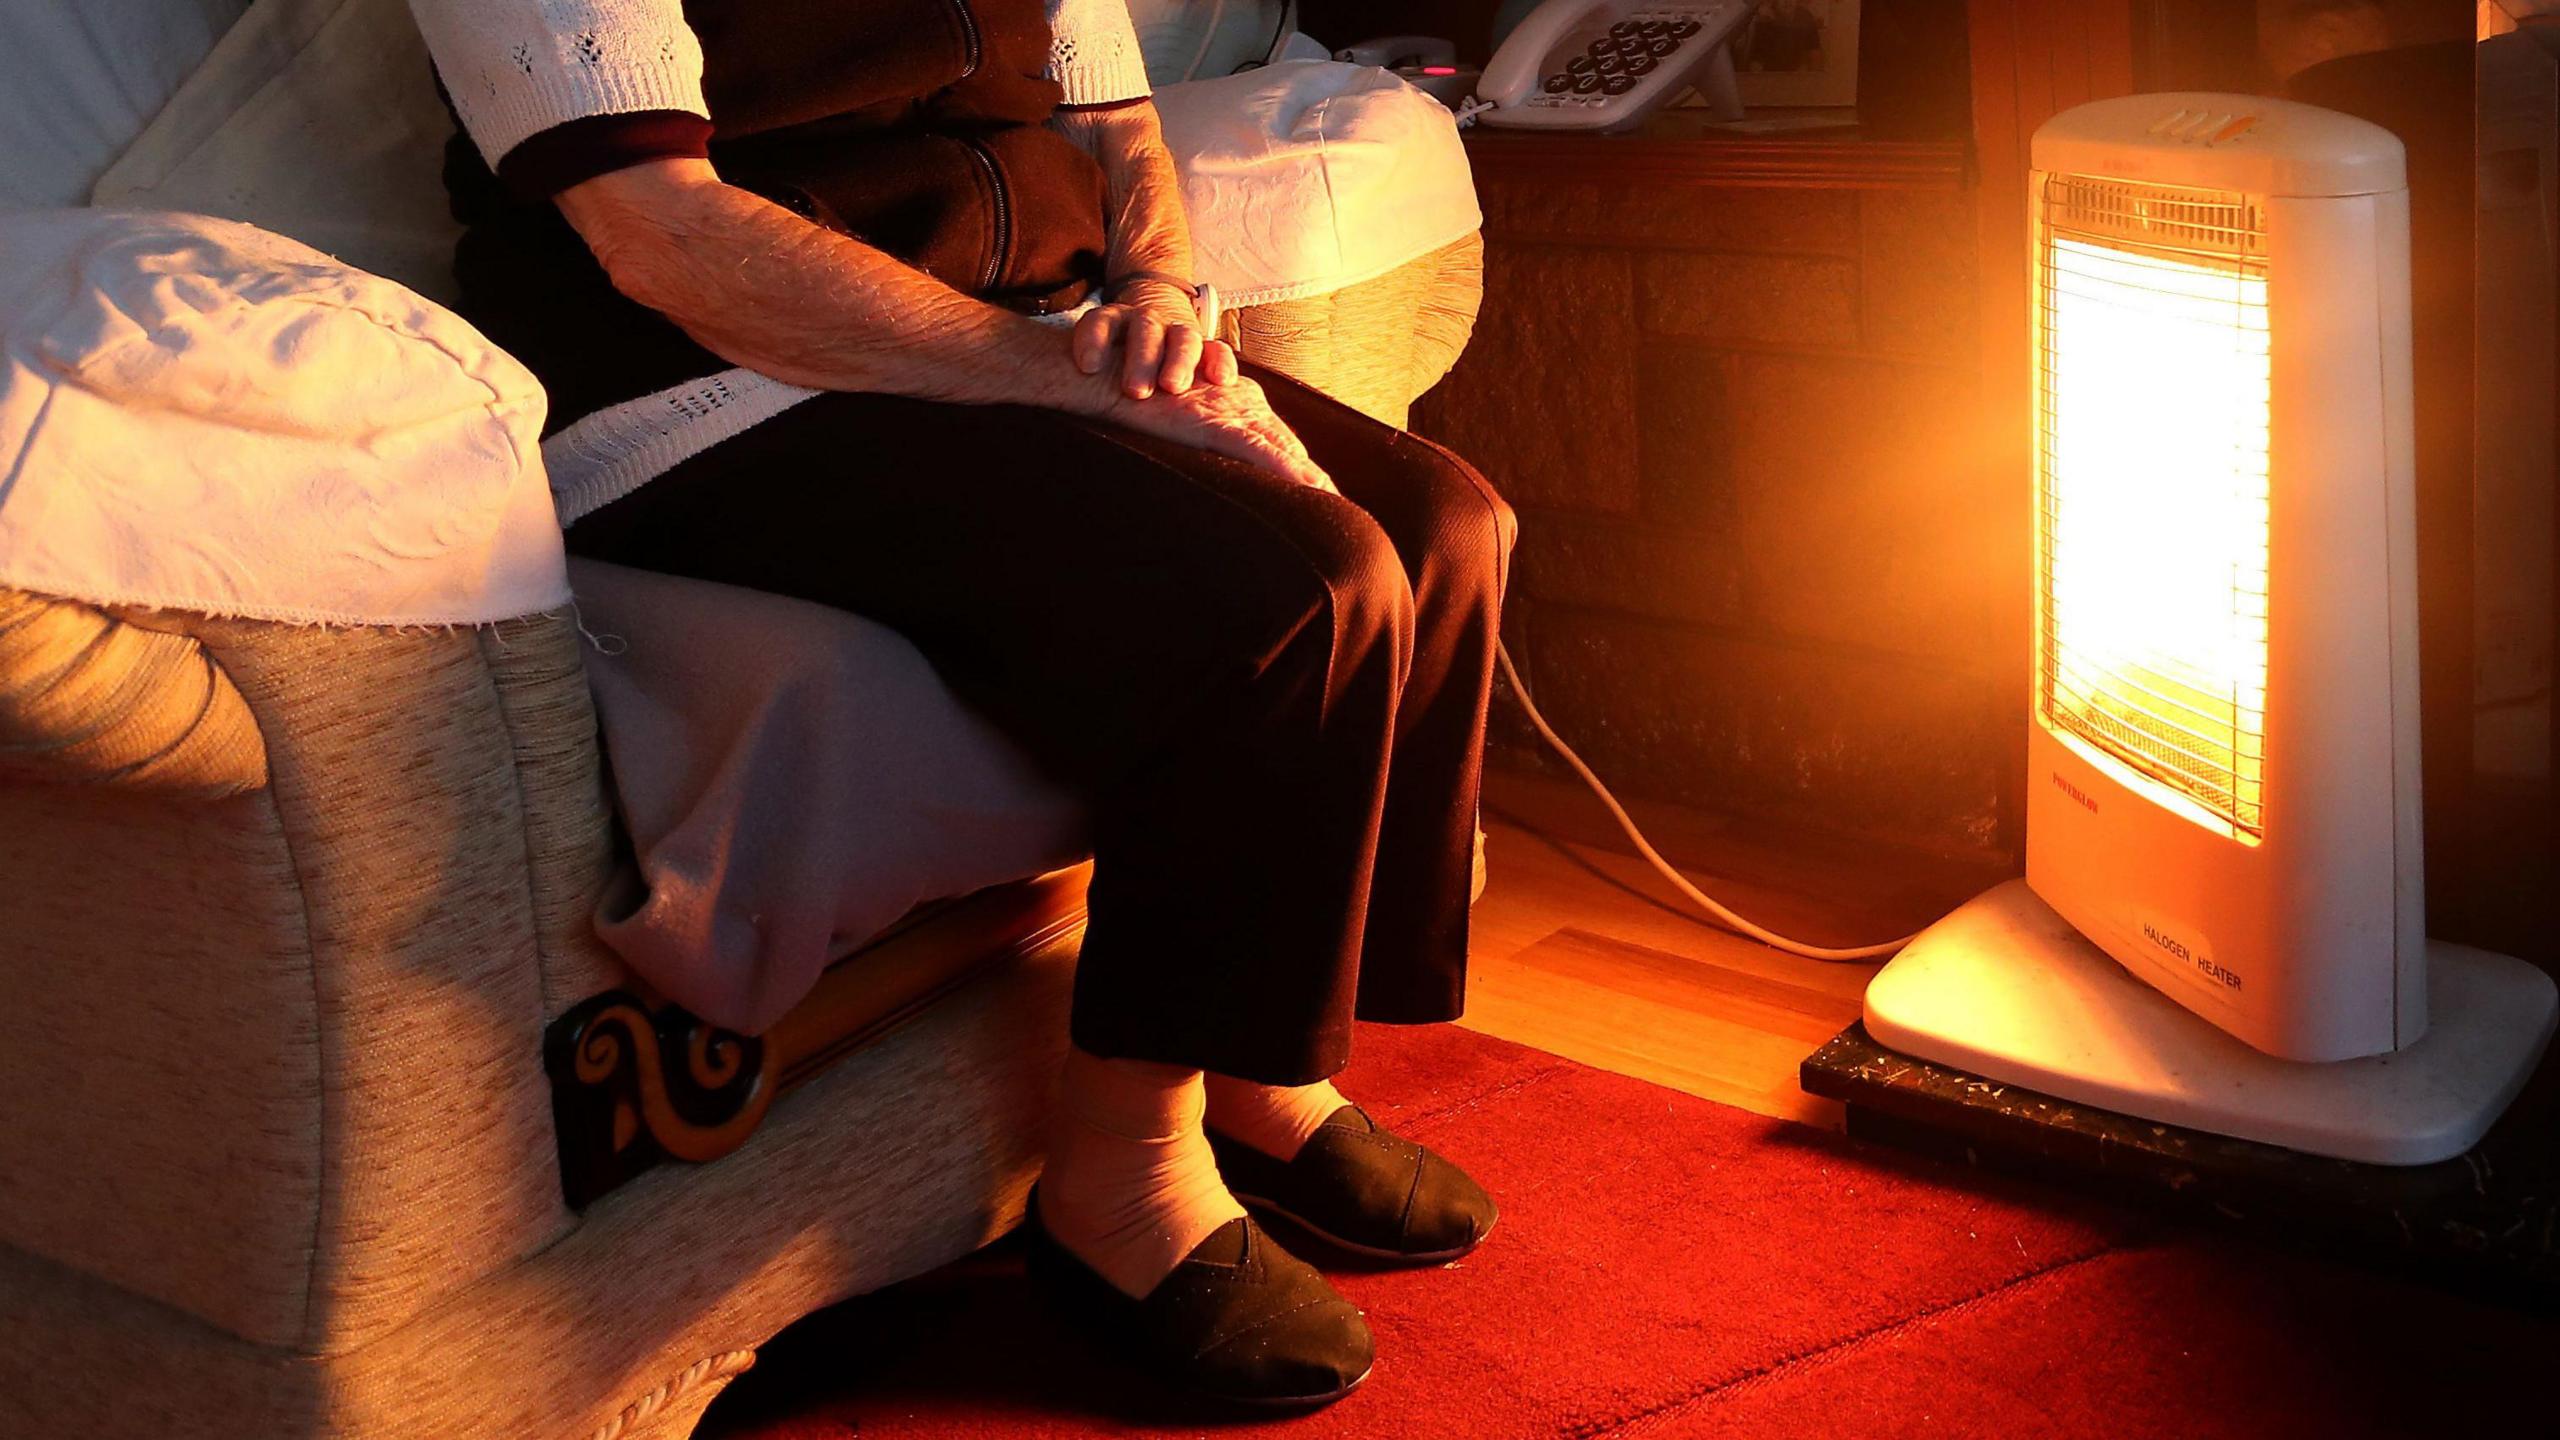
[
  {"x": 86, "y": 697},
  {"x": 394, "y": 774},
  {"x": 907, "y": 1154},
  {"x": 304, "y": 1024},
  {"x": 1345, "y": 343},
  {"x": 162, "y": 1073},
  {"x": 550, "y": 718}
]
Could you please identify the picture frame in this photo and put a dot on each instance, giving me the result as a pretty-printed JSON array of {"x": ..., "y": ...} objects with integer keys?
[{"x": 1799, "y": 53}]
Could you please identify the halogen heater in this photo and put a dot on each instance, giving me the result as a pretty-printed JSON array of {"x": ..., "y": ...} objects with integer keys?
[{"x": 2222, "y": 922}]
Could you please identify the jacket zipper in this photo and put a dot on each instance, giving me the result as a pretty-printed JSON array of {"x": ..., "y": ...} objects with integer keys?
[
  {"x": 1002, "y": 211},
  {"x": 973, "y": 46}
]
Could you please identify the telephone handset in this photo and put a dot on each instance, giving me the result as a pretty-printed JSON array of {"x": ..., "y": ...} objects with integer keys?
[{"x": 1607, "y": 64}]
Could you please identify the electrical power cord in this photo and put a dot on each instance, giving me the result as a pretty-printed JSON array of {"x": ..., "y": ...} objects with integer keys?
[{"x": 1653, "y": 857}]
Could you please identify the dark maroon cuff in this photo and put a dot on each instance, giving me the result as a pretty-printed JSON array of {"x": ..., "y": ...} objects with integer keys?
[{"x": 582, "y": 149}]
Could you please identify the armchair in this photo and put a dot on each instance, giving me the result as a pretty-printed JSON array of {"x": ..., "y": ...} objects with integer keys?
[{"x": 290, "y": 918}]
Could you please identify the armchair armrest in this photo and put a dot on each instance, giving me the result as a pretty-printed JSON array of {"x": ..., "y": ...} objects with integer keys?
[
  {"x": 88, "y": 699},
  {"x": 1378, "y": 345},
  {"x": 285, "y": 908}
]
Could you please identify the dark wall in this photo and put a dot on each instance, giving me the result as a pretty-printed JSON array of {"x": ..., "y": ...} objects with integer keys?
[
  {"x": 1760, "y": 555},
  {"x": 1764, "y": 560}
]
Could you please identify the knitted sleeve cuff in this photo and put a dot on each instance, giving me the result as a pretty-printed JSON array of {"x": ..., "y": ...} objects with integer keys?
[
  {"x": 516, "y": 68},
  {"x": 1094, "y": 54},
  {"x": 552, "y": 160}
]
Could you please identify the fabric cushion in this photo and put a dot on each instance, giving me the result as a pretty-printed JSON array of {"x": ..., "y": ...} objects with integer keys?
[
  {"x": 199, "y": 415},
  {"x": 79, "y": 81},
  {"x": 793, "y": 780},
  {"x": 1308, "y": 176},
  {"x": 316, "y": 119}
]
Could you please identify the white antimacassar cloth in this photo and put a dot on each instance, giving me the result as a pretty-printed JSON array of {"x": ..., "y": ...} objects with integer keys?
[
  {"x": 1310, "y": 175},
  {"x": 196, "y": 414}
]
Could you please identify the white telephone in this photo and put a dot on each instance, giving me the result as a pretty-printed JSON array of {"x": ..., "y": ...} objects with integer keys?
[{"x": 1607, "y": 64}]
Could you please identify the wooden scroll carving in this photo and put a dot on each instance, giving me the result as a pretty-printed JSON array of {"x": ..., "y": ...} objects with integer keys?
[
  {"x": 629, "y": 1087},
  {"x": 632, "y": 1085}
]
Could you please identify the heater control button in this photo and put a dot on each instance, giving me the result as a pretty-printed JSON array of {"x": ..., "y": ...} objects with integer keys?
[
  {"x": 1619, "y": 84},
  {"x": 2234, "y": 130}
]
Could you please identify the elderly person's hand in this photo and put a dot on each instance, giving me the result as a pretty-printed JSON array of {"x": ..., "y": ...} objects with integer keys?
[
  {"x": 1148, "y": 329},
  {"x": 1230, "y": 418},
  {"x": 1153, "y": 332}
]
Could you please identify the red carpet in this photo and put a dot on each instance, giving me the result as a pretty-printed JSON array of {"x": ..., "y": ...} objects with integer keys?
[{"x": 1666, "y": 1266}]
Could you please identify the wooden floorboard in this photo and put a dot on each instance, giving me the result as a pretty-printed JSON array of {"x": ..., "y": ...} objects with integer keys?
[{"x": 1581, "y": 950}]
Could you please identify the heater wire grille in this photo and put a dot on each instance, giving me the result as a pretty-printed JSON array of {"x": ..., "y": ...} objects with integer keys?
[{"x": 2153, "y": 503}]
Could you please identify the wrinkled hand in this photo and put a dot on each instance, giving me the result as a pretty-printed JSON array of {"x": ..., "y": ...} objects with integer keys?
[
  {"x": 1230, "y": 418},
  {"x": 1158, "y": 340}
]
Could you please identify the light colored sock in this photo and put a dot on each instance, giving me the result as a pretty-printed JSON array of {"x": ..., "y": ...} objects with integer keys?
[
  {"x": 1131, "y": 1187},
  {"x": 1274, "y": 1119}
]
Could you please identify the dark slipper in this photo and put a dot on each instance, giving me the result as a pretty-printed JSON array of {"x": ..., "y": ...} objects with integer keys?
[
  {"x": 1364, "y": 1188},
  {"x": 1240, "y": 1319}
]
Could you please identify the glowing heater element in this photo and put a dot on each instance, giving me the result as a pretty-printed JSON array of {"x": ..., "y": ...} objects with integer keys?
[{"x": 2155, "y": 381}]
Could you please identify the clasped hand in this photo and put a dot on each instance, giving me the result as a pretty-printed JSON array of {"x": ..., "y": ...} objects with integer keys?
[{"x": 1178, "y": 382}]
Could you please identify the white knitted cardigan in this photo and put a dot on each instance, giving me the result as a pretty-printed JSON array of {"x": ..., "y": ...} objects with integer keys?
[{"x": 516, "y": 68}]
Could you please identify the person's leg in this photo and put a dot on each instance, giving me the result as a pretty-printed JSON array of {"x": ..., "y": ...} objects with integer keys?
[
  {"x": 1130, "y": 1184},
  {"x": 1210, "y": 654},
  {"x": 1453, "y": 535}
]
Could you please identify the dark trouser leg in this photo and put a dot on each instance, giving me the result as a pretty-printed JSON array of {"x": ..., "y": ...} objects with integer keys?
[
  {"x": 1211, "y": 654},
  {"x": 1454, "y": 535}
]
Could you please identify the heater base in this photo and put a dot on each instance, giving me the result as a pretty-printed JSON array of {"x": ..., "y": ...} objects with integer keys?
[{"x": 2005, "y": 989}]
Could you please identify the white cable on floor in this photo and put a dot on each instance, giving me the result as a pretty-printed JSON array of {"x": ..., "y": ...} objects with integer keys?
[{"x": 1654, "y": 858}]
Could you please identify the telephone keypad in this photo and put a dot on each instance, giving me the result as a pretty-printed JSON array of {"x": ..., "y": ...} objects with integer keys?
[{"x": 1604, "y": 70}]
